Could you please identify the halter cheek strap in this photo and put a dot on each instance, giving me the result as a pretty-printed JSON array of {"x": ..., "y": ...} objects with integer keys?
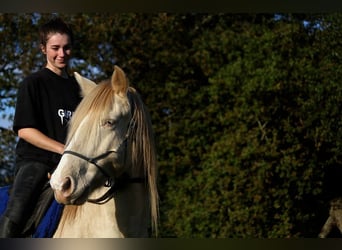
[
  {"x": 109, "y": 182},
  {"x": 94, "y": 160}
]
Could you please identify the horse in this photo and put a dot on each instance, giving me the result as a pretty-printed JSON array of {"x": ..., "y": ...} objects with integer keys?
[
  {"x": 106, "y": 177},
  {"x": 334, "y": 219}
]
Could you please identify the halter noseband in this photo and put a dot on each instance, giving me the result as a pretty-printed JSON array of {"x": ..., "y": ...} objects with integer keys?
[{"x": 94, "y": 160}]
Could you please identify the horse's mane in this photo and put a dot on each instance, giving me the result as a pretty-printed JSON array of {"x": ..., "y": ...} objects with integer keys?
[
  {"x": 99, "y": 101},
  {"x": 143, "y": 151}
]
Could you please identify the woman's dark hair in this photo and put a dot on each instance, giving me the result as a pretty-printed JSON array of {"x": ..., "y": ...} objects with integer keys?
[{"x": 55, "y": 25}]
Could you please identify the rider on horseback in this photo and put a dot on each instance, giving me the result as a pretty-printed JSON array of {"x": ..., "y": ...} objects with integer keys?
[{"x": 46, "y": 100}]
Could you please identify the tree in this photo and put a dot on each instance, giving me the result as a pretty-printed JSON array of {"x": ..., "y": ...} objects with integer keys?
[
  {"x": 16, "y": 38},
  {"x": 260, "y": 167},
  {"x": 245, "y": 110}
]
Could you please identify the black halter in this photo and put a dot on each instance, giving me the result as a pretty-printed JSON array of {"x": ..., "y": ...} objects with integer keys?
[
  {"x": 94, "y": 160},
  {"x": 109, "y": 182}
]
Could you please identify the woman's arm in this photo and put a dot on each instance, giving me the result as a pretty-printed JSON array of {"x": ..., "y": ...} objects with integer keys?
[{"x": 38, "y": 139}]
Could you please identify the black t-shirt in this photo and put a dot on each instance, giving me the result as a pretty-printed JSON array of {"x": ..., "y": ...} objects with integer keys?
[{"x": 45, "y": 101}]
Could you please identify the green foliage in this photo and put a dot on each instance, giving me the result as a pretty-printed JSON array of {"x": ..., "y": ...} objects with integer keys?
[
  {"x": 7, "y": 146},
  {"x": 260, "y": 167},
  {"x": 246, "y": 111}
]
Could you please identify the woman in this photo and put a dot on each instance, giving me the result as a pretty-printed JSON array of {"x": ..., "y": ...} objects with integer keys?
[{"x": 45, "y": 102}]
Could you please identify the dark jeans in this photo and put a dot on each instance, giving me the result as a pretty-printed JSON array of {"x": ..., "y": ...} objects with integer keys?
[{"x": 25, "y": 191}]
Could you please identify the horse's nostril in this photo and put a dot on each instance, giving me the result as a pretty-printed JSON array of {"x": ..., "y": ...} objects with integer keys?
[{"x": 66, "y": 186}]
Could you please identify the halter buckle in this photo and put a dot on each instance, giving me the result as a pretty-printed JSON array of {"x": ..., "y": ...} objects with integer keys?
[{"x": 109, "y": 182}]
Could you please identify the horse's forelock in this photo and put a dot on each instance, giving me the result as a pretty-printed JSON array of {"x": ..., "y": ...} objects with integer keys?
[{"x": 97, "y": 102}]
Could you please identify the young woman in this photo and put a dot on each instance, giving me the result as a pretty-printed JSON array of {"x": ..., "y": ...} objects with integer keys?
[{"x": 45, "y": 103}]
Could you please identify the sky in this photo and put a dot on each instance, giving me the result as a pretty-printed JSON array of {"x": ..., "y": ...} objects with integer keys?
[{"x": 6, "y": 123}]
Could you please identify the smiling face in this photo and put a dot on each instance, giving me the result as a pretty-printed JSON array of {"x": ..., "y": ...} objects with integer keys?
[{"x": 57, "y": 51}]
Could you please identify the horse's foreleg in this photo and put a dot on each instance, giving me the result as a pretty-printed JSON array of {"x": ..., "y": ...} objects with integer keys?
[
  {"x": 338, "y": 219},
  {"x": 326, "y": 229}
]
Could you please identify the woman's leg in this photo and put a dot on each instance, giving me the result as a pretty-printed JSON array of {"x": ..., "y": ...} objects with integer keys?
[{"x": 24, "y": 194}]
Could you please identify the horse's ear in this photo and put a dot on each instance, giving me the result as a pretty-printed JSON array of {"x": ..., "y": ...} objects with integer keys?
[
  {"x": 86, "y": 85},
  {"x": 119, "y": 81}
]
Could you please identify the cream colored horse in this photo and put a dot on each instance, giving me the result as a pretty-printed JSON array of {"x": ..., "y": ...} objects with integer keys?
[{"x": 107, "y": 174}]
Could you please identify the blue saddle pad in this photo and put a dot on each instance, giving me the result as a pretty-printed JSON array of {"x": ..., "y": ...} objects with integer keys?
[{"x": 49, "y": 222}]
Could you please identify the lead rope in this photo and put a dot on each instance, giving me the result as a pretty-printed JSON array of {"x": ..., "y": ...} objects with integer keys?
[
  {"x": 110, "y": 193},
  {"x": 104, "y": 198}
]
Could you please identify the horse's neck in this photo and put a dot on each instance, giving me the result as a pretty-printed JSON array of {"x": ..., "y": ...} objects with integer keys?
[
  {"x": 125, "y": 216},
  {"x": 90, "y": 221}
]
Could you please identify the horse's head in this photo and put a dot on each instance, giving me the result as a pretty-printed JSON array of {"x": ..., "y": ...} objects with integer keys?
[{"x": 97, "y": 146}]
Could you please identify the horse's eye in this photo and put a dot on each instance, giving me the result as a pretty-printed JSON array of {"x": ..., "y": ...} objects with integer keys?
[{"x": 109, "y": 123}]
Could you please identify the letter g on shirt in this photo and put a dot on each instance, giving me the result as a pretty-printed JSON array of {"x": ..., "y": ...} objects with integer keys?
[{"x": 65, "y": 115}]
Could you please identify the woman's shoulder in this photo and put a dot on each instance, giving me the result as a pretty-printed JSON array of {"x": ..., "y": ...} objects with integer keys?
[
  {"x": 45, "y": 77},
  {"x": 35, "y": 81},
  {"x": 42, "y": 77},
  {"x": 41, "y": 74}
]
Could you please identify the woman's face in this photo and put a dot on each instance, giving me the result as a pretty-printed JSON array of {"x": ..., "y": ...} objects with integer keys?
[{"x": 57, "y": 51}]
